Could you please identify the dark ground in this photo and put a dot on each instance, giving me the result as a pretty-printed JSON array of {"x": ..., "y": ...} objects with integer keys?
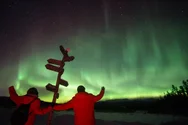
[{"x": 120, "y": 106}]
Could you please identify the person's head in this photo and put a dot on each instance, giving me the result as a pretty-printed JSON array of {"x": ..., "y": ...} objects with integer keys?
[
  {"x": 32, "y": 91},
  {"x": 81, "y": 88}
]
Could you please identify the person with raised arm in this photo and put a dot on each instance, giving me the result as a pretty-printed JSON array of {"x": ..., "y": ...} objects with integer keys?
[
  {"x": 83, "y": 106},
  {"x": 28, "y": 106}
]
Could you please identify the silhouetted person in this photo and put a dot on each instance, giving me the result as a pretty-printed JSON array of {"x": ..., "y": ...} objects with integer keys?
[
  {"x": 83, "y": 106},
  {"x": 34, "y": 108}
]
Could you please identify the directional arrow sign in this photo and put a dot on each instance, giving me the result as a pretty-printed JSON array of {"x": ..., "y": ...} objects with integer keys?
[
  {"x": 66, "y": 57},
  {"x": 63, "y": 82},
  {"x": 50, "y": 87},
  {"x": 69, "y": 58},
  {"x": 54, "y": 61},
  {"x": 63, "y": 51},
  {"x": 54, "y": 68}
]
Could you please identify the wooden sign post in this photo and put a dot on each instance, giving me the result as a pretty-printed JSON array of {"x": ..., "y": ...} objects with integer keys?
[{"x": 57, "y": 66}]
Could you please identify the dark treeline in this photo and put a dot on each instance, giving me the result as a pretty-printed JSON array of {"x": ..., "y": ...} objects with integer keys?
[{"x": 173, "y": 102}]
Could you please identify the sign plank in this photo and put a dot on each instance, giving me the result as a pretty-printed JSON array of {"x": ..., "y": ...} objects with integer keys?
[
  {"x": 63, "y": 82},
  {"x": 50, "y": 87},
  {"x": 53, "y": 68},
  {"x": 54, "y": 61}
]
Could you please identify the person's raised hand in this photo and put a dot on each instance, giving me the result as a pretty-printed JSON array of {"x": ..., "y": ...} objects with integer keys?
[{"x": 103, "y": 88}]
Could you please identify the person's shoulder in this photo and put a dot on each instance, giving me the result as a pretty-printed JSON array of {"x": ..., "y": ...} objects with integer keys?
[
  {"x": 29, "y": 98},
  {"x": 81, "y": 94},
  {"x": 36, "y": 99},
  {"x": 90, "y": 94}
]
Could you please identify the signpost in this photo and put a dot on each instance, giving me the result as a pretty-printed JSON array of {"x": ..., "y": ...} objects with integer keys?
[{"x": 57, "y": 66}]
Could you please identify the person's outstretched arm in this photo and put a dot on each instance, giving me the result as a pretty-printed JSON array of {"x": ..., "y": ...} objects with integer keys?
[
  {"x": 38, "y": 110},
  {"x": 100, "y": 95},
  {"x": 14, "y": 96},
  {"x": 65, "y": 106}
]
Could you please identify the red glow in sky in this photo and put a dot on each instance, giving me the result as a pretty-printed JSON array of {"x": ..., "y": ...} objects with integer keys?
[{"x": 68, "y": 49}]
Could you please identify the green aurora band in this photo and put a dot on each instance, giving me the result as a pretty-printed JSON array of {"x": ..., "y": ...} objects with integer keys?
[{"x": 143, "y": 61}]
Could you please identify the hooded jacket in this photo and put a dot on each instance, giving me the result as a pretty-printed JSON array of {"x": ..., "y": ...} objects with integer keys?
[
  {"x": 83, "y": 107},
  {"x": 34, "y": 107}
]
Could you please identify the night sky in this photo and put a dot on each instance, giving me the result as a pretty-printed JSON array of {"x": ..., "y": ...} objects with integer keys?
[{"x": 135, "y": 48}]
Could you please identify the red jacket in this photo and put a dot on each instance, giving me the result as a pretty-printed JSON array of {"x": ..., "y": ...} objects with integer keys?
[
  {"x": 34, "y": 108},
  {"x": 83, "y": 106}
]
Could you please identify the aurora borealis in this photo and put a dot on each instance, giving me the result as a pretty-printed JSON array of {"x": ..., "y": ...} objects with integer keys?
[{"x": 134, "y": 49}]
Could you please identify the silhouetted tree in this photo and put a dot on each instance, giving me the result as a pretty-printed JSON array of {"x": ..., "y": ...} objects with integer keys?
[
  {"x": 176, "y": 100},
  {"x": 185, "y": 86},
  {"x": 174, "y": 90},
  {"x": 178, "y": 91}
]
